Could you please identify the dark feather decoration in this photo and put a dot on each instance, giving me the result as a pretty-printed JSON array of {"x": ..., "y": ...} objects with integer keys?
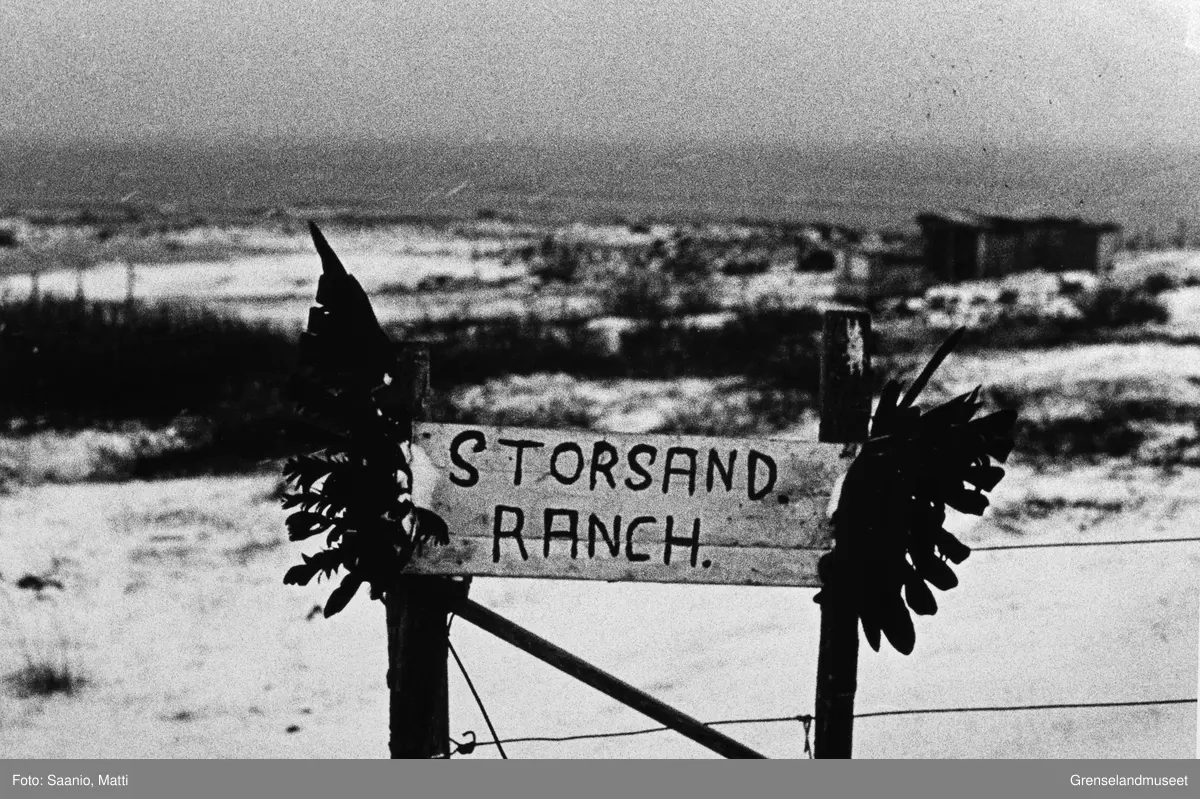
[
  {"x": 888, "y": 526},
  {"x": 358, "y": 487}
]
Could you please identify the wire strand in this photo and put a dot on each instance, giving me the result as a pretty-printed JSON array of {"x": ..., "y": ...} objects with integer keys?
[
  {"x": 496, "y": 741},
  {"x": 1052, "y": 545},
  {"x": 478, "y": 700},
  {"x": 804, "y": 719},
  {"x": 644, "y": 731},
  {"x": 996, "y": 708}
]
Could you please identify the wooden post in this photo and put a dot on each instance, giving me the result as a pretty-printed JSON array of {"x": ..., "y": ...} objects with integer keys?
[
  {"x": 419, "y": 711},
  {"x": 130, "y": 278},
  {"x": 845, "y": 417},
  {"x": 845, "y": 377}
]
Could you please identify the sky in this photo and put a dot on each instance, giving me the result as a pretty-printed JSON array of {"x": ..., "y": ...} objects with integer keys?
[{"x": 1107, "y": 72}]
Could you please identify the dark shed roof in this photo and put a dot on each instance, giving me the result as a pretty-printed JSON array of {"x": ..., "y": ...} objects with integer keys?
[{"x": 1000, "y": 224}]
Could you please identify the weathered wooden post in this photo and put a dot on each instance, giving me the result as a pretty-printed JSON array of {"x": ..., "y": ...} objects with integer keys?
[
  {"x": 419, "y": 712},
  {"x": 845, "y": 418},
  {"x": 130, "y": 280}
]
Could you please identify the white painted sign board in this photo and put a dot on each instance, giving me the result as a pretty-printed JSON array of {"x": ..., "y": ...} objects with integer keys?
[{"x": 565, "y": 504}]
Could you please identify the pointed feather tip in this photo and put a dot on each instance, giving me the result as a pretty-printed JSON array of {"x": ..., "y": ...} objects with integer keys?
[
  {"x": 330, "y": 264},
  {"x": 922, "y": 380}
]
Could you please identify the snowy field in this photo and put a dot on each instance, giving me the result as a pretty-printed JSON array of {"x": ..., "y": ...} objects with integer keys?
[
  {"x": 275, "y": 278},
  {"x": 173, "y": 613}
]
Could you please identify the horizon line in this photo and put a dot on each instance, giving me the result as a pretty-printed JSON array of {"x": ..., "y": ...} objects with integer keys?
[{"x": 199, "y": 139}]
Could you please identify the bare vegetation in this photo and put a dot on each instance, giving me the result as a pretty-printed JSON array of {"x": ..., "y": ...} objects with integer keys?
[
  {"x": 44, "y": 679},
  {"x": 180, "y": 390},
  {"x": 46, "y": 662}
]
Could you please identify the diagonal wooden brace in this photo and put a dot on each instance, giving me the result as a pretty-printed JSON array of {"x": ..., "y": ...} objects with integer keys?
[{"x": 602, "y": 681}]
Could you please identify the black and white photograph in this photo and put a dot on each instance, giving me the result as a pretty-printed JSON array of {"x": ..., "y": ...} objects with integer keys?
[{"x": 599, "y": 379}]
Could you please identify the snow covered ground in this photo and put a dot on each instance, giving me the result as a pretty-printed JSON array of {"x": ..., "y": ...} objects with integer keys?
[
  {"x": 278, "y": 280},
  {"x": 174, "y": 612}
]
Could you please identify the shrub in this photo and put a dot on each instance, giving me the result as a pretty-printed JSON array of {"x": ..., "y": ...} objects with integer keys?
[
  {"x": 760, "y": 412},
  {"x": 1100, "y": 311},
  {"x": 739, "y": 267},
  {"x": 1108, "y": 435},
  {"x": 688, "y": 260},
  {"x": 816, "y": 260},
  {"x": 464, "y": 352},
  {"x": 637, "y": 292},
  {"x": 555, "y": 412},
  {"x": 43, "y": 679},
  {"x": 47, "y": 669},
  {"x": 558, "y": 263},
  {"x": 70, "y": 363},
  {"x": 1113, "y": 306},
  {"x": 430, "y": 283},
  {"x": 1071, "y": 288},
  {"x": 696, "y": 296},
  {"x": 774, "y": 345},
  {"x": 1157, "y": 283},
  {"x": 767, "y": 342},
  {"x": 1111, "y": 420}
]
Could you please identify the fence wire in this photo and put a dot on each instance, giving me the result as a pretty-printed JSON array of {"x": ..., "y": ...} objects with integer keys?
[
  {"x": 807, "y": 720},
  {"x": 1054, "y": 544},
  {"x": 468, "y": 747}
]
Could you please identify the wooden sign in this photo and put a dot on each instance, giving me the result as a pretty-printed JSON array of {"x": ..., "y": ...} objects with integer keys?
[{"x": 583, "y": 505}]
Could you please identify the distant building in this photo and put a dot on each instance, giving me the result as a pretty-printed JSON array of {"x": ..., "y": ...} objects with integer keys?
[
  {"x": 964, "y": 246},
  {"x": 872, "y": 268}
]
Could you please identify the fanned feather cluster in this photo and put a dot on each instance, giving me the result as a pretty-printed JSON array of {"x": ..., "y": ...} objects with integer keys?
[
  {"x": 356, "y": 490},
  {"x": 888, "y": 525}
]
